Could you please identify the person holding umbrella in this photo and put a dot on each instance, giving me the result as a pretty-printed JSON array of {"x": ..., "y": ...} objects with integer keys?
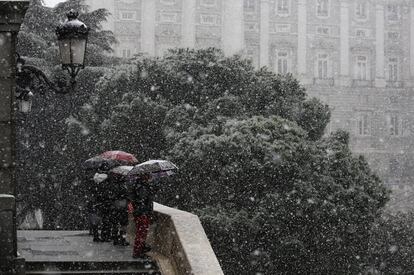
[
  {"x": 89, "y": 187},
  {"x": 141, "y": 193},
  {"x": 118, "y": 212},
  {"x": 141, "y": 196},
  {"x": 103, "y": 191}
]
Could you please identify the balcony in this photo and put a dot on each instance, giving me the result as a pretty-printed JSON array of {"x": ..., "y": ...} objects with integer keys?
[
  {"x": 179, "y": 246},
  {"x": 362, "y": 83},
  {"x": 325, "y": 82},
  {"x": 395, "y": 84}
]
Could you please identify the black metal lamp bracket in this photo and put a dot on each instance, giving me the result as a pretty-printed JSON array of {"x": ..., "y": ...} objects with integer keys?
[{"x": 27, "y": 74}]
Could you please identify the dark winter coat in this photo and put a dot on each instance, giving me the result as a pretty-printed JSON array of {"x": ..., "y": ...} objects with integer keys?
[
  {"x": 141, "y": 196},
  {"x": 90, "y": 190}
]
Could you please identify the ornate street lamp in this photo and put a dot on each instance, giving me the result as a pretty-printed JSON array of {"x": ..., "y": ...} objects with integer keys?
[{"x": 72, "y": 37}]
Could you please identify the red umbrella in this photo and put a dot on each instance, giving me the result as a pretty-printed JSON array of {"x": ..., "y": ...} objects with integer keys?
[{"x": 121, "y": 156}]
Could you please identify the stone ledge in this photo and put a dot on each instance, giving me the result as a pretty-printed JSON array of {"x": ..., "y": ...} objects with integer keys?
[
  {"x": 7, "y": 202},
  {"x": 180, "y": 237}
]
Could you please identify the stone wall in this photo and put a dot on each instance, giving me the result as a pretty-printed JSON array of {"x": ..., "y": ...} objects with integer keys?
[{"x": 11, "y": 17}]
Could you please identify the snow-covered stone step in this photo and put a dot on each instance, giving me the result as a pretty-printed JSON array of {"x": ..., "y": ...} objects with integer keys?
[
  {"x": 139, "y": 266},
  {"x": 97, "y": 272}
]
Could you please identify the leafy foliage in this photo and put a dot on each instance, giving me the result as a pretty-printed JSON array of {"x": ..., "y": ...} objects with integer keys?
[
  {"x": 37, "y": 36},
  {"x": 273, "y": 194},
  {"x": 315, "y": 201},
  {"x": 392, "y": 245}
]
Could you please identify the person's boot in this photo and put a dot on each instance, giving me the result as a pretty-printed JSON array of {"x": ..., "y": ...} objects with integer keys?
[
  {"x": 147, "y": 248},
  {"x": 95, "y": 233},
  {"x": 105, "y": 236},
  {"x": 142, "y": 255},
  {"x": 123, "y": 241},
  {"x": 120, "y": 239}
]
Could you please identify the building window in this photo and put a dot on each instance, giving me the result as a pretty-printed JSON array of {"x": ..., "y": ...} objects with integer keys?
[
  {"x": 283, "y": 7},
  {"x": 393, "y": 36},
  {"x": 250, "y": 5},
  {"x": 166, "y": 17},
  {"x": 361, "y": 72},
  {"x": 284, "y": 28},
  {"x": 208, "y": 19},
  {"x": 322, "y": 30},
  {"x": 126, "y": 53},
  {"x": 322, "y": 8},
  {"x": 395, "y": 125},
  {"x": 127, "y": 15},
  {"x": 322, "y": 66},
  {"x": 360, "y": 33},
  {"x": 363, "y": 125},
  {"x": 393, "y": 13},
  {"x": 395, "y": 167},
  {"x": 252, "y": 55},
  {"x": 361, "y": 10},
  {"x": 252, "y": 27},
  {"x": 168, "y": 2},
  {"x": 393, "y": 69},
  {"x": 208, "y": 3},
  {"x": 282, "y": 62}
]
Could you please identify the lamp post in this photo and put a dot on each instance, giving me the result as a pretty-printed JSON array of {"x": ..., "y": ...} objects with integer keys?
[{"x": 72, "y": 39}]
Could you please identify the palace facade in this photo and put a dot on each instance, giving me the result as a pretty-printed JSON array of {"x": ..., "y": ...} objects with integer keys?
[{"x": 355, "y": 55}]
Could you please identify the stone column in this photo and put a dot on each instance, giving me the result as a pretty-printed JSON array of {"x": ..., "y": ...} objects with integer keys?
[
  {"x": 380, "y": 47},
  {"x": 344, "y": 79},
  {"x": 411, "y": 46},
  {"x": 188, "y": 27},
  {"x": 264, "y": 32},
  {"x": 302, "y": 40},
  {"x": 233, "y": 26},
  {"x": 11, "y": 17},
  {"x": 148, "y": 27}
]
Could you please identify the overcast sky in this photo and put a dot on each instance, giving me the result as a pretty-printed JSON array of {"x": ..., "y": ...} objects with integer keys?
[{"x": 52, "y": 3}]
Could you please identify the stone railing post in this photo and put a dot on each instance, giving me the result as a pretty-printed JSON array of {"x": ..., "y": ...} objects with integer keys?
[{"x": 11, "y": 17}]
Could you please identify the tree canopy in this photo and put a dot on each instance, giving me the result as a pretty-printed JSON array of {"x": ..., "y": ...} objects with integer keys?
[{"x": 275, "y": 195}]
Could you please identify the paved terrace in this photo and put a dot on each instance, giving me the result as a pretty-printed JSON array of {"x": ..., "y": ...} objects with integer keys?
[
  {"x": 179, "y": 244},
  {"x": 73, "y": 252}
]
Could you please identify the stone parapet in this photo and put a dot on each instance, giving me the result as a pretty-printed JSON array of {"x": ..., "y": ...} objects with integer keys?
[{"x": 180, "y": 237}]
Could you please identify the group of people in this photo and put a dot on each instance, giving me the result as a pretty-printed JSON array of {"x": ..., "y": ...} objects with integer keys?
[{"x": 111, "y": 198}]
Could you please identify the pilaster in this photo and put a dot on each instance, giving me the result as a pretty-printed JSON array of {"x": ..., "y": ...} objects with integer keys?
[
  {"x": 264, "y": 32},
  {"x": 379, "y": 46},
  {"x": 302, "y": 40},
  {"x": 11, "y": 17},
  {"x": 344, "y": 78},
  {"x": 148, "y": 27},
  {"x": 233, "y": 27},
  {"x": 189, "y": 24},
  {"x": 411, "y": 46}
]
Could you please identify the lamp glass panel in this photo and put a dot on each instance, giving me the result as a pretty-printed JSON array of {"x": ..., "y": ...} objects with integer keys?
[
  {"x": 78, "y": 47},
  {"x": 25, "y": 106},
  {"x": 64, "y": 47}
]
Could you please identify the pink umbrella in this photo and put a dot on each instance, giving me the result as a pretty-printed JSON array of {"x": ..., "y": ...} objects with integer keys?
[{"x": 121, "y": 156}]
